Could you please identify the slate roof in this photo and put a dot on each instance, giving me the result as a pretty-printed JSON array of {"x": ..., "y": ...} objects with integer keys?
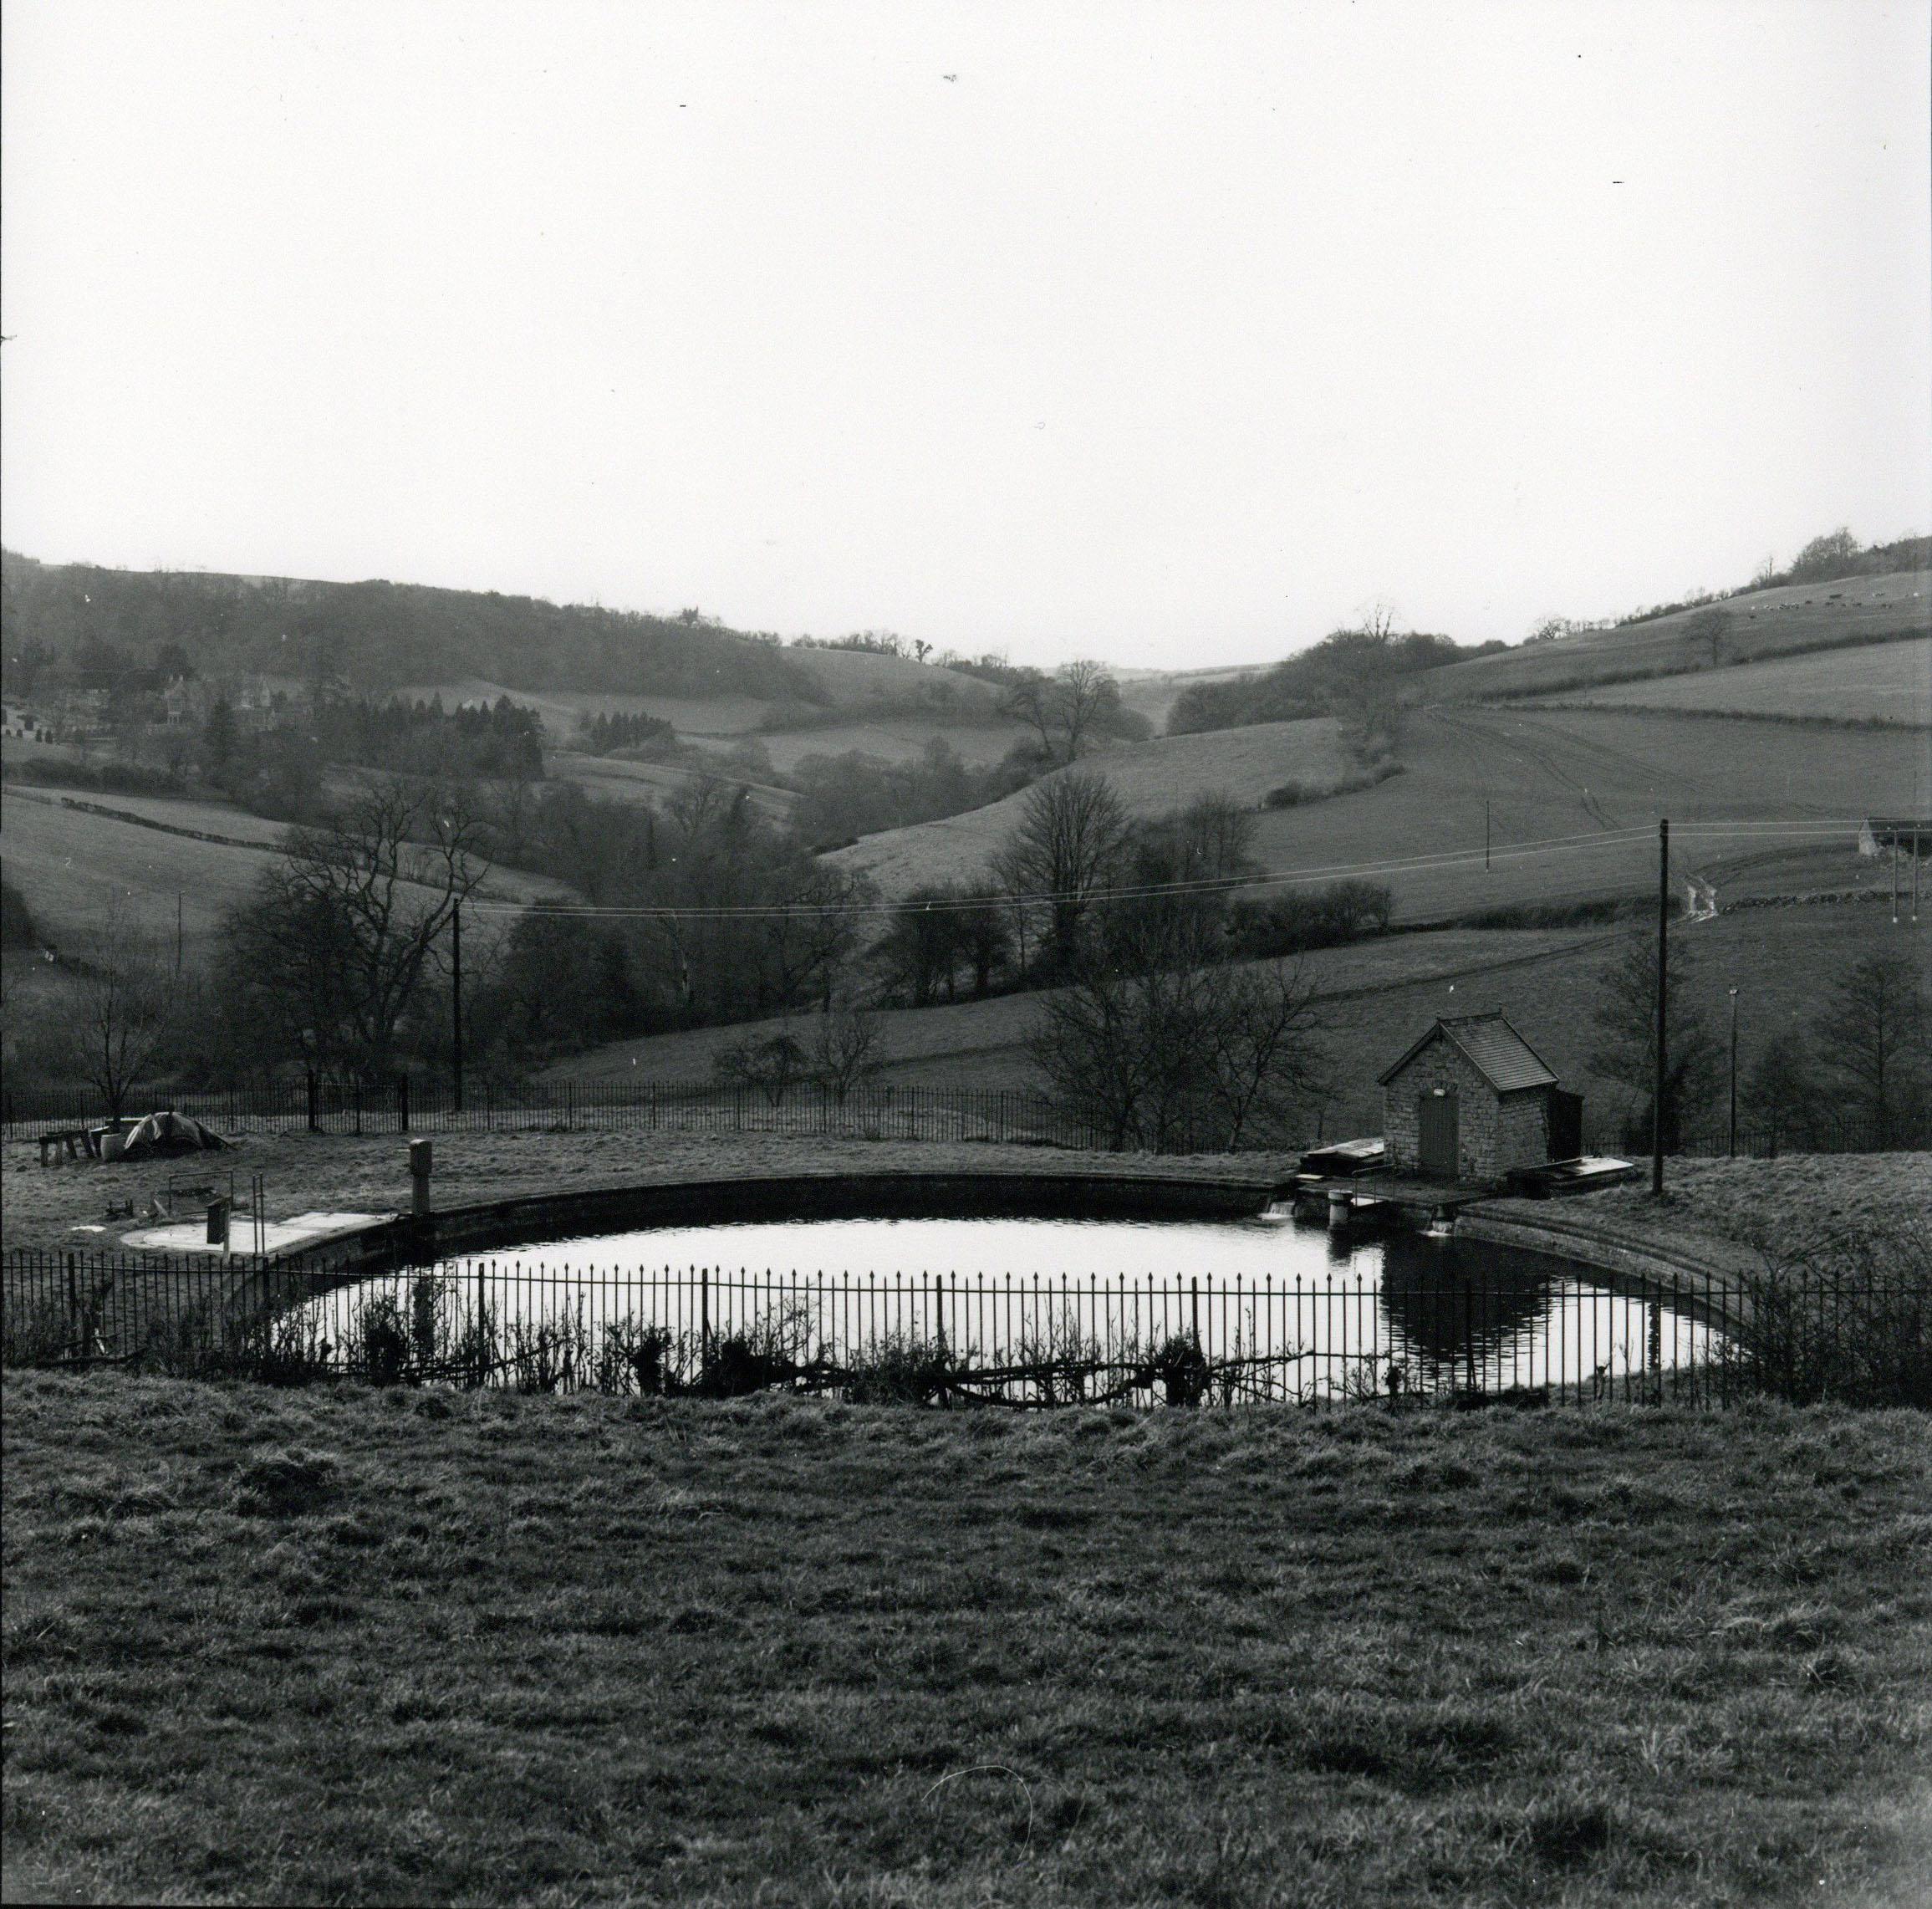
[{"x": 1491, "y": 1046}]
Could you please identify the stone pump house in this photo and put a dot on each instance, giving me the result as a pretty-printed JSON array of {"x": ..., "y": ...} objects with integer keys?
[{"x": 1471, "y": 1101}]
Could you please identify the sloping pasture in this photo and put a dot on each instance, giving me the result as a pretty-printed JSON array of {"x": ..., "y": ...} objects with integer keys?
[
  {"x": 982, "y": 1043},
  {"x": 72, "y": 864},
  {"x": 1573, "y": 799},
  {"x": 1886, "y": 683},
  {"x": 1377, "y": 996},
  {"x": 1149, "y": 777},
  {"x": 1763, "y": 624}
]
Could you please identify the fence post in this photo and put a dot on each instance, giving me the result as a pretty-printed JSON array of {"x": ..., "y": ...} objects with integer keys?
[
  {"x": 402, "y": 1101},
  {"x": 1193, "y": 1310},
  {"x": 314, "y": 1099},
  {"x": 704, "y": 1318},
  {"x": 72, "y": 1304}
]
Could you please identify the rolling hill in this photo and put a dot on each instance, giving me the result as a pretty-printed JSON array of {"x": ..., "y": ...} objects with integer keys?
[
  {"x": 1858, "y": 683},
  {"x": 1150, "y": 777},
  {"x": 1572, "y": 797},
  {"x": 1762, "y": 624},
  {"x": 1377, "y": 996},
  {"x": 70, "y": 861}
]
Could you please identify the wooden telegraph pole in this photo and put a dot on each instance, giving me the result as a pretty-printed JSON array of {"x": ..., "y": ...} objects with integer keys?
[
  {"x": 1663, "y": 1005},
  {"x": 456, "y": 1005}
]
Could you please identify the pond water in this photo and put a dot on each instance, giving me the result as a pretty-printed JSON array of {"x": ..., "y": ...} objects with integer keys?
[{"x": 1292, "y": 1309}]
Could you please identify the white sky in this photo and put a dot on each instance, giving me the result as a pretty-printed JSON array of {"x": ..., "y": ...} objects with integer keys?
[{"x": 1168, "y": 332}]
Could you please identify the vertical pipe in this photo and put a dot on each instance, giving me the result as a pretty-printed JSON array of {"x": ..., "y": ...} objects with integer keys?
[
  {"x": 457, "y": 1007},
  {"x": 1733, "y": 1074},
  {"x": 1662, "y": 1000}
]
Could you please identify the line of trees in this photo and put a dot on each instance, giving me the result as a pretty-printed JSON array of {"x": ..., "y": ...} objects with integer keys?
[
  {"x": 1356, "y": 676},
  {"x": 1864, "y": 1053}
]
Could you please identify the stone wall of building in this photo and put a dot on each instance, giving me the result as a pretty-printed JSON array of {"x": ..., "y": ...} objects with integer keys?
[{"x": 1492, "y": 1134}]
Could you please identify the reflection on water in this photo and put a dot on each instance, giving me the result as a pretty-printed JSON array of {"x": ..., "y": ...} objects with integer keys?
[{"x": 1308, "y": 1311}]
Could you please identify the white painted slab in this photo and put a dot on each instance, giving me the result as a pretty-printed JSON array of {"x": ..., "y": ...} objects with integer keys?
[{"x": 279, "y": 1236}]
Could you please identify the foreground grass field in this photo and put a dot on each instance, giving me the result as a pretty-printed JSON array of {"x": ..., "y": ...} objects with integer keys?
[{"x": 357, "y": 1646}]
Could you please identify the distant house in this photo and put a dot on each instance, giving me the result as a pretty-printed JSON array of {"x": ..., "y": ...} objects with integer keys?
[{"x": 1472, "y": 1100}]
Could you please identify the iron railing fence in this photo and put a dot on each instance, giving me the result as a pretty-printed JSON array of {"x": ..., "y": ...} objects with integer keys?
[
  {"x": 872, "y": 1111},
  {"x": 344, "y": 1107},
  {"x": 946, "y": 1339}
]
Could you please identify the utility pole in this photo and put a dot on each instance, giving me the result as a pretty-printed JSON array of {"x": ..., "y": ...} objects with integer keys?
[
  {"x": 1733, "y": 1074},
  {"x": 457, "y": 1003},
  {"x": 1662, "y": 1002}
]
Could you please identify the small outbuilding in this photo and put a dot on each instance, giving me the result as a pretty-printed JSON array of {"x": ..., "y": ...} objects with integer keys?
[{"x": 1473, "y": 1100}]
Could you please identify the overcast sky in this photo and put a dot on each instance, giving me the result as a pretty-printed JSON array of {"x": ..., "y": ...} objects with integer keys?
[{"x": 1171, "y": 332}]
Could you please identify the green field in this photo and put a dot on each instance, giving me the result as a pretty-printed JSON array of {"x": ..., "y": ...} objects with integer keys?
[
  {"x": 71, "y": 864},
  {"x": 1886, "y": 683},
  {"x": 346, "y": 1645},
  {"x": 1763, "y": 623},
  {"x": 1379, "y": 995},
  {"x": 1149, "y": 777},
  {"x": 1573, "y": 799}
]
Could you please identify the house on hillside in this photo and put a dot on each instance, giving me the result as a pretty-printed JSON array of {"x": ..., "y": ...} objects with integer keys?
[{"x": 1473, "y": 1100}]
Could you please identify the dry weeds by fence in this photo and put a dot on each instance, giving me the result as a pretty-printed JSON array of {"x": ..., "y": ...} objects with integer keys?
[{"x": 1856, "y": 1327}]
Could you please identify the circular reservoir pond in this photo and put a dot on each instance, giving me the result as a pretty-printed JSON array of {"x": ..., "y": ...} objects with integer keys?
[{"x": 1278, "y": 1309}]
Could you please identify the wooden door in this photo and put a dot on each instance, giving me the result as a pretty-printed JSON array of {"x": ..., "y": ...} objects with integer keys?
[{"x": 1435, "y": 1126}]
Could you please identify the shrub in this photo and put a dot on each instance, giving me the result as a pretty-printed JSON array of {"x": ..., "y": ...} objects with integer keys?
[{"x": 1850, "y": 1321}]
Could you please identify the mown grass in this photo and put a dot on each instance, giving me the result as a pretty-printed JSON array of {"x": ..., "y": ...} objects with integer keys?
[{"x": 346, "y": 1645}]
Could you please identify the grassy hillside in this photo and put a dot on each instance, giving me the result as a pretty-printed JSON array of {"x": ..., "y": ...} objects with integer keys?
[
  {"x": 1885, "y": 682},
  {"x": 1150, "y": 777},
  {"x": 350, "y": 1646},
  {"x": 1379, "y": 995},
  {"x": 70, "y": 864},
  {"x": 1585, "y": 779},
  {"x": 1763, "y": 623},
  {"x": 981, "y": 1043}
]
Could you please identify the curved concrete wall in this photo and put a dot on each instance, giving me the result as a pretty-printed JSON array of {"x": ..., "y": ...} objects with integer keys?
[{"x": 498, "y": 1224}]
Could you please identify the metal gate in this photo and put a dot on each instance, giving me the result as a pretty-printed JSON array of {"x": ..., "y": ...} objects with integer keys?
[{"x": 1436, "y": 1129}]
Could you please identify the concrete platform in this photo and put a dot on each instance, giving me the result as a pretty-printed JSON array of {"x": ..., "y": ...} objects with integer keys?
[
  {"x": 297, "y": 1234},
  {"x": 1397, "y": 1190}
]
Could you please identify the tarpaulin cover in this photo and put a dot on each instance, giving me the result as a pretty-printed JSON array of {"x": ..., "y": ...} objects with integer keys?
[{"x": 168, "y": 1133}]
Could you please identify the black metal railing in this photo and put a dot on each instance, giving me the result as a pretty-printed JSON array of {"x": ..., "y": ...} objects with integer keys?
[{"x": 945, "y": 1339}]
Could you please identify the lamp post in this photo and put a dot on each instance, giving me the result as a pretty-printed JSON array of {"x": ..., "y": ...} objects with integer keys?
[{"x": 1733, "y": 1074}]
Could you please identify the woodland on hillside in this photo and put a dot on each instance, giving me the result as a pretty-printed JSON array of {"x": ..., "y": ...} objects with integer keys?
[{"x": 96, "y": 626}]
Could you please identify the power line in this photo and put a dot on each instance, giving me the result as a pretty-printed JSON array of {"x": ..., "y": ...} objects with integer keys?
[{"x": 1438, "y": 861}]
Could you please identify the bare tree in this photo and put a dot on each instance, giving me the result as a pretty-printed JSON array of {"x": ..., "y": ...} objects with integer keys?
[
  {"x": 1196, "y": 1056},
  {"x": 1070, "y": 842},
  {"x": 1029, "y": 698},
  {"x": 1065, "y": 709},
  {"x": 773, "y": 1066},
  {"x": 120, "y": 1003},
  {"x": 1085, "y": 692},
  {"x": 332, "y": 949},
  {"x": 843, "y": 1054},
  {"x": 1709, "y": 630}
]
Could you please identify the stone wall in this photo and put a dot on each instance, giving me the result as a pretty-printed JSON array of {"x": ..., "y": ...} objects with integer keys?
[{"x": 1492, "y": 1134}]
